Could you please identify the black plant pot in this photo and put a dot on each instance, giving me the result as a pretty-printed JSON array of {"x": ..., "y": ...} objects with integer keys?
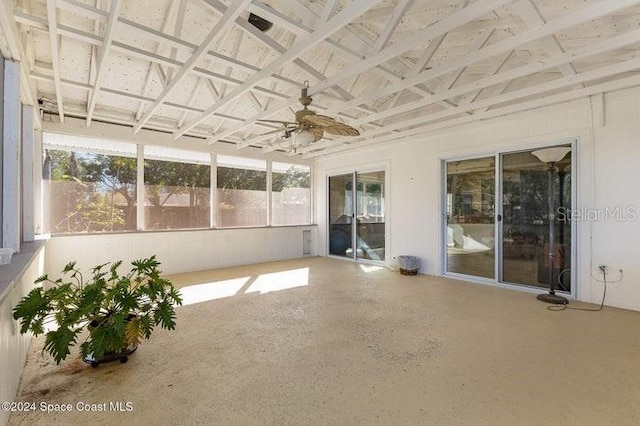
[{"x": 122, "y": 356}]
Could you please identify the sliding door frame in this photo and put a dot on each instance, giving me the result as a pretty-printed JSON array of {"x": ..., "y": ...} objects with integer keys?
[
  {"x": 498, "y": 212},
  {"x": 355, "y": 171}
]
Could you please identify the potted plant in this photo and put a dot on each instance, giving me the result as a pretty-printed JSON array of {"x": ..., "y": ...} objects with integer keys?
[{"x": 116, "y": 310}]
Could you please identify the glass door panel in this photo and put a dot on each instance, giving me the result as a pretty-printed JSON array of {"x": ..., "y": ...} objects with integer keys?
[
  {"x": 370, "y": 216},
  {"x": 526, "y": 213},
  {"x": 341, "y": 215},
  {"x": 470, "y": 203}
]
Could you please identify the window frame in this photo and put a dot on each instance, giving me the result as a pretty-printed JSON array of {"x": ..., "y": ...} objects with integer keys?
[{"x": 139, "y": 149}]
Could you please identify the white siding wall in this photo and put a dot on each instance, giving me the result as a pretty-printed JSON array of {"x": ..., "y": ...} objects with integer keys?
[
  {"x": 179, "y": 251},
  {"x": 13, "y": 345},
  {"x": 607, "y": 171}
]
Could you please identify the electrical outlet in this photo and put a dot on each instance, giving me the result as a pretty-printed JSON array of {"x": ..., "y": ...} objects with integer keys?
[{"x": 603, "y": 268}]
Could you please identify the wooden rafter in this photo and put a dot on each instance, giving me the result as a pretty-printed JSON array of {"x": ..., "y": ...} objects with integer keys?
[
  {"x": 396, "y": 71},
  {"x": 235, "y": 8},
  {"x": 499, "y": 112},
  {"x": 584, "y": 15},
  {"x": 554, "y": 85},
  {"x": 333, "y": 25},
  {"x": 467, "y": 14},
  {"x": 52, "y": 14},
  {"x": 148, "y": 76},
  {"x": 16, "y": 52},
  {"x": 102, "y": 59}
]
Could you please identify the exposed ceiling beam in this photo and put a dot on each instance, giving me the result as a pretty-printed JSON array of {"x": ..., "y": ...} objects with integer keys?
[
  {"x": 494, "y": 70},
  {"x": 584, "y": 15},
  {"x": 348, "y": 53},
  {"x": 393, "y": 22},
  {"x": 86, "y": 37},
  {"x": 132, "y": 96},
  {"x": 554, "y": 85},
  {"x": 331, "y": 45},
  {"x": 16, "y": 52},
  {"x": 52, "y": 15},
  {"x": 148, "y": 76},
  {"x": 93, "y": 56},
  {"x": 177, "y": 31},
  {"x": 215, "y": 93},
  {"x": 334, "y": 24},
  {"x": 616, "y": 42},
  {"x": 469, "y": 13},
  {"x": 154, "y": 57},
  {"x": 268, "y": 13},
  {"x": 533, "y": 19},
  {"x": 423, "y": 131},
  {"x": 236, "y": 7},
  {"x": 164, "y": 38},
  {"x": 102, "y": 59},
  {"x": 76, "y": 7},
  {"x": 328, "y": 11}
]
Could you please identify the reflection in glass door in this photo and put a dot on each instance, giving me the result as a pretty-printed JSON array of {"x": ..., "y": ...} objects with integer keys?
[
  {"x": 470, "y": 225},
  {"x": 367, "y": 206},
  {"x": 526, "y": 231},
  {"x": 370, "y": 222},
  {"x": 524, "y": 244},
  {"x": 341, "y": 215}
]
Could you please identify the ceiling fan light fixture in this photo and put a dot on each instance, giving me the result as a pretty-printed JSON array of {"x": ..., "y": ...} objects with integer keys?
[{"x": 305, "y": 137}]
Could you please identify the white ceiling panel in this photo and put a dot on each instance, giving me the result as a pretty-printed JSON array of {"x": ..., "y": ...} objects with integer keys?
[{"x": 379, "y": 66}]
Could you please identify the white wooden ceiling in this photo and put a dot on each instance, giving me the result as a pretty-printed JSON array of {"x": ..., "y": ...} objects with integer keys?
[{"x": 391, "y": 68}]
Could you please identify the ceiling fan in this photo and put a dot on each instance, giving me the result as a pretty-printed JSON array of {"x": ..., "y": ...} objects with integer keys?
[{"x": 308, "y": 126}]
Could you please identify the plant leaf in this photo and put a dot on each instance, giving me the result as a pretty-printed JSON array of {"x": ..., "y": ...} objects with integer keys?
[
  {"x": 58, "y": 342},
  {"x": 31, "y": 310},
  {"x": 133, "y": 331}
]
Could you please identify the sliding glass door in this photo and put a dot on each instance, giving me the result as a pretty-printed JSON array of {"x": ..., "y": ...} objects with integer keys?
[
  {"x": 526, "y": 230},
  {"x": 502, "y": 232},
  {"x": 370, "y": 223},
  {"x": 470, "y": 217},
  {"x": 341, "y": 215},
  {"x": 357, "y": 218}
]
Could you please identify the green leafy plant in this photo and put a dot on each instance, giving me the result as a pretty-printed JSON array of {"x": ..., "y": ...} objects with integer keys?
[{"x": 118, "y": 310}]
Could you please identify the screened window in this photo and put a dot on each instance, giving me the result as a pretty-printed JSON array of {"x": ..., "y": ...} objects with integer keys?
[
  {"x": 91, "y": 185},
  {"x": 290, "y": 194},
  {"x": 176, "y": 195},
  {"x": 88, "y": 192},
  {"x": 242, "y": 192}
]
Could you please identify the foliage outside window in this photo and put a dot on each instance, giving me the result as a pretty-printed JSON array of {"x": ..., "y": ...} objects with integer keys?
[
  {"x": 291, "y": 194},
  {"x": 176, "y": 195},
  {"x": 89, "y": 185},
  {"x": 86, "y": 192},
  {"x": 242, "y": 192}
]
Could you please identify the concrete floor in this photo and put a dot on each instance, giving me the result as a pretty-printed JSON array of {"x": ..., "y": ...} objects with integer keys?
[{"x": 328, "y": 342}]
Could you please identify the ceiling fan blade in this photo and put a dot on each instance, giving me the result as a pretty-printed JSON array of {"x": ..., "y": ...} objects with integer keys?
[
  {"x": 271, "y": 132},
  {"x": 318, "y": 132},
  {"x": 341, "y": 129},
  {"x": 319, "y": 120},
  {"x": 285, "y": 123},
  {"x": 286, "y": 129}
]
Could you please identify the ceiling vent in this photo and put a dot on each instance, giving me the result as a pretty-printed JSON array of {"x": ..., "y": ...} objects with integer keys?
[{"x": 260, "y": 23}]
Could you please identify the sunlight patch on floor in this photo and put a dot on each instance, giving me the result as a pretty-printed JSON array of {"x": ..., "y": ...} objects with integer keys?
[
  {"x": 210, "y": 291},
  {"x": 371, "y": 268},
  {"x": 280, "y": 281}
]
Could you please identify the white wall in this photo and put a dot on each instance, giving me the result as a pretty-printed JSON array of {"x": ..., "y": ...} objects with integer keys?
[
  {"x": 13, "y": 345},
  {"x": 179, "y": 251},
  {"x": 608, "y": 154}
]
